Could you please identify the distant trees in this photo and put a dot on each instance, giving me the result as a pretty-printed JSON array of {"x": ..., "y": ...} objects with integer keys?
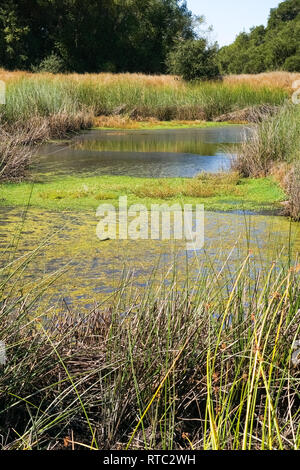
[
  {"x": 194, "y": 60},
  {"x": 91, "y": 35},
  {"x": 149, "y": 36},
  {"x": 276, "y": 47}
]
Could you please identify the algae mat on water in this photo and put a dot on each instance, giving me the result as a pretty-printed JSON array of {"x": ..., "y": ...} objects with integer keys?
[
  {"x": 227, "y": 193},
  {"x": 80, "y": 271}
]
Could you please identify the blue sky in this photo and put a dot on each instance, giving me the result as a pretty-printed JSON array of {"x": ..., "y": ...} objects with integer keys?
[{"x": 230, "y": 17}]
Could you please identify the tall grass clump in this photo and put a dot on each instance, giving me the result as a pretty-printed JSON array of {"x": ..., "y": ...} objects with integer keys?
[
  {"x": 206, "y": 365},
  {"x": 35, "y": 112},
  {"x": 44, "y": 95},
  {"x": 275, "y": 141}
]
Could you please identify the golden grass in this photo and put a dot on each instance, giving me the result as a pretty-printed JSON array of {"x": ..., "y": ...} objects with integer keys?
[
  {"x": 103, "y": 78},
  {"x": 269, "y": 79},
  {"x": 278, "y": 79}
]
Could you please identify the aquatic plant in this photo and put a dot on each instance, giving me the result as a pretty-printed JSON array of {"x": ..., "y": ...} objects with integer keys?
[
  {"x": 274, "y": 148},
  {"x": 208, "y": 365}
]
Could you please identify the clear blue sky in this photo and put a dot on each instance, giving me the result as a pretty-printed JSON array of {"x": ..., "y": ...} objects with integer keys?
[{"x": 230, "y": 17}]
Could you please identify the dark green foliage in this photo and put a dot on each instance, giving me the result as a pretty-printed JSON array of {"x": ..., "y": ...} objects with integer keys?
[
  {"x": 292, "y": 64},
  {"x": 276, "y": 47},
  {"x": 194, "y": 60},
  {"x": 92, "y": 35},
  {"x": 52, "y": 64}
]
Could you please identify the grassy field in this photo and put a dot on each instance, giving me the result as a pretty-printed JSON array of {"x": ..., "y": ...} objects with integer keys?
[{"x": 164, "y": 98}]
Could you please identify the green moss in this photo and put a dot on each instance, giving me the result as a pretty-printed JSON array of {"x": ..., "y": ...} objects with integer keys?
[{"x": 216, "y": 193}]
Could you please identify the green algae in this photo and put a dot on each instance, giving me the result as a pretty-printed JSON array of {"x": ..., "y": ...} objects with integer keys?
[
  {"x": 80, "y": 271},
  {"x": 86, "y": 193}
]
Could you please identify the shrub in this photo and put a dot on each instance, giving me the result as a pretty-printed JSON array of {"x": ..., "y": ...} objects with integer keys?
[
  {"x": 194, "y": 60},
  {"x": 51, "y": 64},
  {"x": 292, "y": 64}
]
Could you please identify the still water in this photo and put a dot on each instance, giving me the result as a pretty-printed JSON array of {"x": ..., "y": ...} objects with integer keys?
[
  {"x": 92, "y": 270},
  {"x": 160, "y": 154},
  {"x": 85, "y": 270}
]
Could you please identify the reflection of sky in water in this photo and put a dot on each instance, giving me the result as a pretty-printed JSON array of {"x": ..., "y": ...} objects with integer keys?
[
  {"x": 172, "y": 153},
  {"x": 96, "y": 268}
]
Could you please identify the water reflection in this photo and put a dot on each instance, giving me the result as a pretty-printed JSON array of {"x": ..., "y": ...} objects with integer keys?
[{"x": 165, "y": 153}]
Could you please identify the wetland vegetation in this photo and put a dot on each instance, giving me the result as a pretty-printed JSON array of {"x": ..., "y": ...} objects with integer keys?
[{"x": 142, "y": 344}]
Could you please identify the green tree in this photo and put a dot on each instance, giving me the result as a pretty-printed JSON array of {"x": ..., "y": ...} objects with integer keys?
[
  {"x": 276, "y": 47},
  {"x": 92, "y": 35},
  {"x": 194, "y": 60}
]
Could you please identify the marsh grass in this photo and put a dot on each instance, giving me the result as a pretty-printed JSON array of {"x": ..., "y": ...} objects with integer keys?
[
  {"x": 274, "y": 148},
  {"x": 131, "y": 95},
  {"x": 205, "y": 365},
  {"x": 278, "y": 79},
  {"x": 276, "y": 139},
  {"x": 60, "y": 104}
]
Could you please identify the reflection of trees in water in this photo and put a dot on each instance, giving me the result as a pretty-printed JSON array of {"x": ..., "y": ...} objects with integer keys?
[{"x": 192, "y": 146}]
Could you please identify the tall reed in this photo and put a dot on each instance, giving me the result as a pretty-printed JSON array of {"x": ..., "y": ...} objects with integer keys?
[
  {"x": 275, "y": 145},
  {"x": 206, "y": 365}
]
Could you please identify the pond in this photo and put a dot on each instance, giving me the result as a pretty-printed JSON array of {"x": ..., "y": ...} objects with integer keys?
[
  {"x": 87, "y": 271},
  {"x": 158, "y": 154},
  {"x": 92, "y": 270}
]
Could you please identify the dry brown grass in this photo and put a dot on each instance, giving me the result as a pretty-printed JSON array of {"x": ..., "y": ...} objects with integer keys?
[
  {"x": 278, "y": 79},
  {"x": 270, "y": 79},
  {"x": 103, "y": 78},
  {"x": 17, "y": 141},
  {"x": 14, "y": 157}
]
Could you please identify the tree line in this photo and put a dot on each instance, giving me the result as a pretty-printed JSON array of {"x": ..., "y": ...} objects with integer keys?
[
  {"x": 275, "y": 47},
  {"x": 148, "y": 36},
  {"x": 91, "y": 35}
]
